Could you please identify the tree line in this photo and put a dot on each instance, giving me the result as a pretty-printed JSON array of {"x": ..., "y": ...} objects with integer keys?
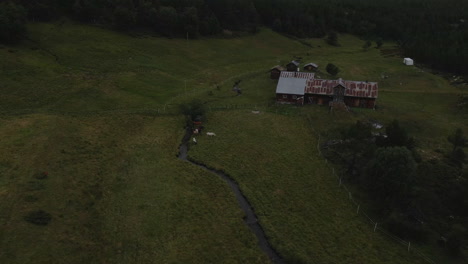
[
  {"x": 417, "y": 199},
  {"x": 434, "y": 32}
]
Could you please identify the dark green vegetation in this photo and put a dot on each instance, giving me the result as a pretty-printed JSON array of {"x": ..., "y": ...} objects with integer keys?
[
  {"x": 99, "y": 111},
  {"x": 434, "y": 32},
  {"x": 418, "y": 199},
  {"x": 12, "y": 22}
]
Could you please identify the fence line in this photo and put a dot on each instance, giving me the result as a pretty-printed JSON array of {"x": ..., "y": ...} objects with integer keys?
[{"x": 396, "y": 239}]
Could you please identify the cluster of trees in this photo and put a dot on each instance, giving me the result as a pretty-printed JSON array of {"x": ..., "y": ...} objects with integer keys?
[
  {"x": 12, "y": 22},
  {"x": 431, "y": 31},
  {"x": 418, "y": 199},
  {"x": 169, "y": 18}
]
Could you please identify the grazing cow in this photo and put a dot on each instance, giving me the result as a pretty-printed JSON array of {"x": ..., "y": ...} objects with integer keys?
[
  {"x": 211, "y": 134},
  {"x": 194, "y": 141}
]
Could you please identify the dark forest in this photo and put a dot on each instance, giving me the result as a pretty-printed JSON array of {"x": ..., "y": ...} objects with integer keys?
[{"x": 434, "y": 32}]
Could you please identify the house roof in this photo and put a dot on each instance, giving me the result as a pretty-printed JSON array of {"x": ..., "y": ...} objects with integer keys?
[
  {"x": 278, "y": 67},
  {"x": 294, "y": 62},
  {"x": 311, "y": 64},
  {"x": 293, "y": 82},
  {"x": 353, "y": 88}
]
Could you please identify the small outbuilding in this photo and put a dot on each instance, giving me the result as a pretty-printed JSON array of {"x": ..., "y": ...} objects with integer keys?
[
  {"x": 408, "y": 61},
  {"x": 292, "y": 66},
  {"x": 310, "y": 67},
  {"x": 275, "y": 72}
]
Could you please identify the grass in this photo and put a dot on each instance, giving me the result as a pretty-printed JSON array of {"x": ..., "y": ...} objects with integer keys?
[
  {"x": 117, "y": 193},
  {"x": 308, "y": 219}
]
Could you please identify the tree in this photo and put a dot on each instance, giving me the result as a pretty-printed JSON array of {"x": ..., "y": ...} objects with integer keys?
[
  {"x": 367, "y": 45},
  {"x": 332, "y": 38},
  {"x": 332, "y": 69},
  {"x": 389, "y": 175},
  {"x": 190, "y": 21},
  {"x": 379, "y": 43},
  {"x": 210, "y": 26},
  {"x": 124, "y": 17},
  {"x": 167, "y": 20},
  {"x": 194, "y": 110},
  {"x": 277, "y": 25},
  {"x": 457, "y": 139},
  {"x": 396, "y": 136},
  {"x": 12, "y": 22}
]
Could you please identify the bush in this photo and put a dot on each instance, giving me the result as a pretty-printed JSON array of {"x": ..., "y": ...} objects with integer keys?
[
  {"x": 38, "y": 217},
  {"x": 403, "y": 227},
  {"x": 194, "y": 110},
  {"x": 455, "y": 239},
  {"x": 332, "y": 69},
  {"x": 332, "y": 39}
]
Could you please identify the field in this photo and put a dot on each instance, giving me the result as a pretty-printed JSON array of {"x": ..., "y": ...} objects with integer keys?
[{"x": 97, "y": 110}]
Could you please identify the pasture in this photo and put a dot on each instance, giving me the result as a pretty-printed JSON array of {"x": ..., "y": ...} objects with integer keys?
[{"x": 97, "y": 110}]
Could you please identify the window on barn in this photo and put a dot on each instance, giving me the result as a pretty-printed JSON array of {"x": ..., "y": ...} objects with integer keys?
[
  {"x": 285, "y": 96},
  {"x": 294, "y": 97}
]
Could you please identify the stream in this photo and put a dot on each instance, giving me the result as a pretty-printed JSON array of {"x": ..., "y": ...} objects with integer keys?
[{"x": 250, "y": 218}]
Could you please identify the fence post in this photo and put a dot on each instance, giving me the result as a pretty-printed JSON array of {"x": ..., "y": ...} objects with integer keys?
[
  {"x": 340, "y": 182},
  {"x": 375, "y": 227},
  {"x": 350, "y": 196},
  {"x": 409, "y": 245},
  {"x": 359, "y": 206}
]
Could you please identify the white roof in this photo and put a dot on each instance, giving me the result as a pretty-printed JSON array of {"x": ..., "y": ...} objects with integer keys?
[{"x": 293, "y": 82}]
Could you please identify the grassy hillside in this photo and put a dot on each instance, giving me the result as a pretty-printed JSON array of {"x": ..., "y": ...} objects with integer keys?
[
  {"x": 80, "y": 103},
  {"x": 76, "y": 68}
]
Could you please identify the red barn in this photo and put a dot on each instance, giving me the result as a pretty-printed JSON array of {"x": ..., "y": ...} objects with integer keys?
[{"x": 322, "y": 92}]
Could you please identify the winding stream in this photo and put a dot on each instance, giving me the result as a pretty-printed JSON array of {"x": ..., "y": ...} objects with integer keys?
[{"x": 250, "y": 218}]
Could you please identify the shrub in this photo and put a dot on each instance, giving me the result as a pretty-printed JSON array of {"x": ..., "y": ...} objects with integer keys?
[
  {"x": 332, "y": 69},
  {"x": 403, "y": 227},
  {"x": 38, "y": 217},
  {"x": 194, "y": 110}
]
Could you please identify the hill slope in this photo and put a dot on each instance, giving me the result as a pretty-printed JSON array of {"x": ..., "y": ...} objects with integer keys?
[{"x": 86, "y": 105}]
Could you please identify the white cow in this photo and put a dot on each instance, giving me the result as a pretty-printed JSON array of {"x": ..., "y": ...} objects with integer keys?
[{"x": 211, "y": 134}]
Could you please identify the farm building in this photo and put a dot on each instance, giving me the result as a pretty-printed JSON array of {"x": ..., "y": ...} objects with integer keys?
[
  {"x": 292, "y": 66},
  {"x": 290, "y": 88},
  {"x": 310, "y": 67},
  {"x": 408, "y": 61},
  {"x": 301, "y": 87},
  {"x": 276, "y": 71}
]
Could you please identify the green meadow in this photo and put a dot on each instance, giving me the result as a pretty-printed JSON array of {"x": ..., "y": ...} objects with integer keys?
[{"x": 97, "y": 110}]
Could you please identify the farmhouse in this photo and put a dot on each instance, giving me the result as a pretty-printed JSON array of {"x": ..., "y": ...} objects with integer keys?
[
  {"x": 276, "y": 71},
  {"x": 292, "y": 66},
  {"x": 302, "y": 87},
  {"x": 310, "y": 67}
]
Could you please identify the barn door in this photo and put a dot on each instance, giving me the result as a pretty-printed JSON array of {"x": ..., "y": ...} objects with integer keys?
[{"x": 338, "y": 93}]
